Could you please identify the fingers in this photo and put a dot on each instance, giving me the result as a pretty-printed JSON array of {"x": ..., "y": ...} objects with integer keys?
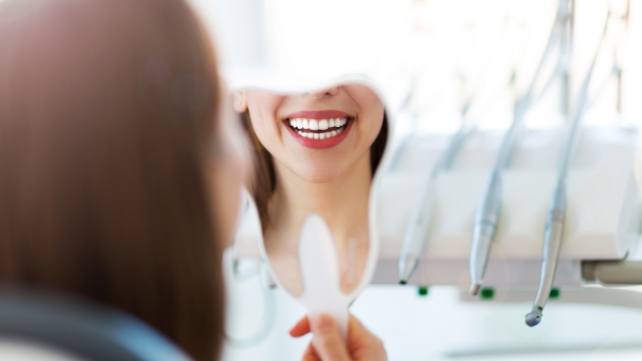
[
  {"x": 363, "y": 344},
  {"x": 327, "y": 340},
  {"x": 301, "y": 328},
  {"x": 310, "y": 354},
  {"x": 357, "y": 332}
]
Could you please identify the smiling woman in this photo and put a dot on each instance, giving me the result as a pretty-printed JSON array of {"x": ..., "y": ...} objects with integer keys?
[{"x": 316, "y": 152}]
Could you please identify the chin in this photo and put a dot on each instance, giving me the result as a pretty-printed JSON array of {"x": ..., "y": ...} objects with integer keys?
[{"x": 319, "y": 174}]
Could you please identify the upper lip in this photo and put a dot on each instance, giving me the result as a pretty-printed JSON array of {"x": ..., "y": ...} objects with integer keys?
[{"x": 318, "y": 114}]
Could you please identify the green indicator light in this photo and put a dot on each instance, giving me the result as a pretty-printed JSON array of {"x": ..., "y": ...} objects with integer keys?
[
  {"x": 487, "y": 293},
  {"x": 422, "y": 291},
  {"x": 555, "y": 293}
]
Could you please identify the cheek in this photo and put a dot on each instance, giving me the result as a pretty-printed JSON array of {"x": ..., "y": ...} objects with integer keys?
[
  {"x": 371, "y": 126},
  {"x": 266, "y": 129},
  {"x": 262, "y": 108}
]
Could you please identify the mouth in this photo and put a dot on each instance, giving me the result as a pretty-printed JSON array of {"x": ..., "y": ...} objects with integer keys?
[{"x": 319, "y": 129}]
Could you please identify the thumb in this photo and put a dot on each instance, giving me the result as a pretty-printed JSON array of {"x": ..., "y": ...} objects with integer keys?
[
  {"x": 363, "y": 344},
  {"x": 327, "y": 339}
]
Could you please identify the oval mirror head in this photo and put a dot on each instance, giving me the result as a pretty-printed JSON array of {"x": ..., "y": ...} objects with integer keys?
[{"x": 316, "y": 154}]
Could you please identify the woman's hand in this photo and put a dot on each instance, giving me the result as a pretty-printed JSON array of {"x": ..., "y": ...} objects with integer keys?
[{"x": 327, "y": 344}]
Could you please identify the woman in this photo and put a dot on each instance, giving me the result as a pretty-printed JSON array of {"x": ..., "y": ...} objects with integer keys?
[
  {"x": 119, "y": 180},
  {"x": 316, "y": 153}
]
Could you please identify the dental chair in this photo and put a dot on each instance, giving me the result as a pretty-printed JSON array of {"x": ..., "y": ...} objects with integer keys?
[{"x": 37, "y": 327}]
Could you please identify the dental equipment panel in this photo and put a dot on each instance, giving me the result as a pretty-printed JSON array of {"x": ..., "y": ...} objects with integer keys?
[{"x": 600, "y": 225}]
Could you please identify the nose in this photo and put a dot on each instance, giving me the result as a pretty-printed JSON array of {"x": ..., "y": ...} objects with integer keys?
[{"x": 329, "y": 91}]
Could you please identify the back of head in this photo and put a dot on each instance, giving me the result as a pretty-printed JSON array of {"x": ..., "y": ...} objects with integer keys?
[{"x": 108, "y": 115}]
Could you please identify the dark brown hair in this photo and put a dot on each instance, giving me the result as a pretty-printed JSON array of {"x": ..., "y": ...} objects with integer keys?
[
  {"x": 263, "y": 182},
  {"x": 108, "y": 117}
]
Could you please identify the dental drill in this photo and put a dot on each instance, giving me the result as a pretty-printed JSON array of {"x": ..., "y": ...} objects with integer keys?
[
  {"x": 555, "y": 220},
  {"x": 418, "y": 226},
  {"x": 489, "y": 210}
]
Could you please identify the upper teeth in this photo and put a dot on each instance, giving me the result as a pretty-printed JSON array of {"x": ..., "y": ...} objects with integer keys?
[{"x": 318, "y": 124}]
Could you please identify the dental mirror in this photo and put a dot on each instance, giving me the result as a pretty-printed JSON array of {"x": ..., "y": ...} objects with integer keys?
[{"x": 316, "y": 153}]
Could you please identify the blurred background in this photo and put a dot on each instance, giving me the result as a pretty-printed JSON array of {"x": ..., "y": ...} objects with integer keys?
[
  {"x": 438, "y": 50},
  {"x": 426, "y": 57}
]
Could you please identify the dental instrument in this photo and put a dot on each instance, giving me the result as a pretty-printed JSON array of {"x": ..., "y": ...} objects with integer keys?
[
  {"x": 489, "y": 210},
  {"x": 417, "y": 229},
  {"x": 554, "y": 228}
]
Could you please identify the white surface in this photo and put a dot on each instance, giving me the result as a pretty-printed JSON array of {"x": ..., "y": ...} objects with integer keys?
[{"x": 442, "y": 327}]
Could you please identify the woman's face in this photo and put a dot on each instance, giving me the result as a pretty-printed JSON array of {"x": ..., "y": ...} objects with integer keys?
[{"x": 317, "y": 135}]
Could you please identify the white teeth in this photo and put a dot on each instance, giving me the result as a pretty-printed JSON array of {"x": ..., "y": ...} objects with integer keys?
[
  {"x": 316, "y": 124},
  {"x": 328, "y": 127},
  {"x": 321, "y": 136}
]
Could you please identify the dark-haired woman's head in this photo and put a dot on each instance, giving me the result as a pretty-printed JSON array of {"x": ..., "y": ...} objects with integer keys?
[{"x": 117, "y": 180}]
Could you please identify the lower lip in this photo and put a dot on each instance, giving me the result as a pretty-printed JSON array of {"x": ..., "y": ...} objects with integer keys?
[{"x": 321, "y": 143}]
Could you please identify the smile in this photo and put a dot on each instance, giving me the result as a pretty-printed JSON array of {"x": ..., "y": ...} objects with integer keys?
[{"x": 319, "y": 129}]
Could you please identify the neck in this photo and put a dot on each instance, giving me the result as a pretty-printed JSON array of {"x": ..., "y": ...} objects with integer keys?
[{"x": 342, "y": 202}]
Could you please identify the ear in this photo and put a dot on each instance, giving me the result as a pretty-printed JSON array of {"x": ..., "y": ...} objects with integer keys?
[{"x": 240, "y": 101}]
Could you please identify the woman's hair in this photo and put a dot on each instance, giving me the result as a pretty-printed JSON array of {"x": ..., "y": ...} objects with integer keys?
[
  {"x": 108, "y": 125},
  {"x": 263, "y": 180}
]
